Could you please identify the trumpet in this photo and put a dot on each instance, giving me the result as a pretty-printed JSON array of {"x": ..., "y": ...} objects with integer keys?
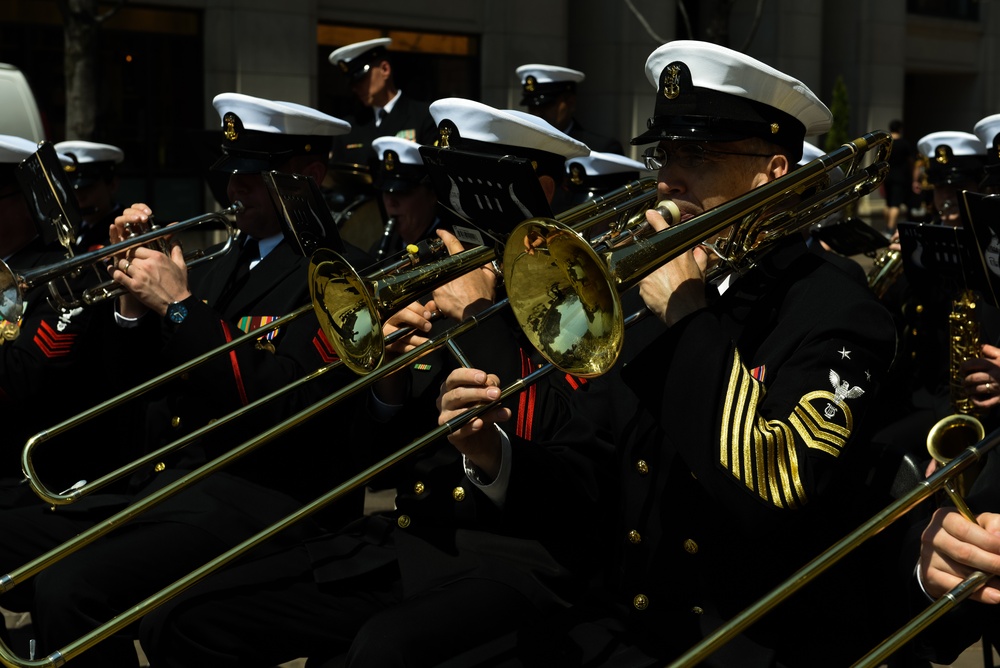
[{"x": 13, "y": 285}]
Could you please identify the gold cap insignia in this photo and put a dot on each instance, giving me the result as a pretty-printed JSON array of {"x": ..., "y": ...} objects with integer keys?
[
  {"x": 774, "y": 128},
  {"x": 342, "y": 64},
  {"x": 576, "y": 174},
  {"x": 672, "y": 82},
  {"x": 445, "y": 134},
  {"x": 69, "y": 169},
  {"x": 229, "y": 122},
  {"x": 390, "y": 160},
  {"x": 529, "y": 84},
  {"x": 941, "y": 155}
]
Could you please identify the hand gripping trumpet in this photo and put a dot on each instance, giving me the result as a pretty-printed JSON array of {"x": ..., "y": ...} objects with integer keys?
[{"x": 13, "y": 285}]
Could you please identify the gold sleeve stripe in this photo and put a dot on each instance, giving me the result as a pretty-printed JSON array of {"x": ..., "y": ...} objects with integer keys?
[{"x": 759, "y": 453}]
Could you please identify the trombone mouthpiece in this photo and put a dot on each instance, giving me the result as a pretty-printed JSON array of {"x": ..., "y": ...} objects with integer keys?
[{"x": 670, "y": 212}]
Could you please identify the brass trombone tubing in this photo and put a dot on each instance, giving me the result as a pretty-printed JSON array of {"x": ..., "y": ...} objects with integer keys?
[
  {"x": 35, "y": 566},
  {"x": 47, "y": 495},
  {"x": 79, "y": 491},
  {"x": 923, "y": 490},
  {"x": 19, "y": 282}
]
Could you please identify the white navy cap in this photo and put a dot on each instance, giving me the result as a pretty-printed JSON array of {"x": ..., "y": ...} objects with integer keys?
[
  {"x": 600, "y": 172},
  {"x": 706, "y": 92},
  {"x": 954, "y": 157},
  {"x": 468, "y": 124},
  {"x": 541, "y": 84},
  {"x": 86, "y": 162},
  {"x": 354, "y": 60},
  {"x": 14, "y": 150},
  {"x": 988, "y": 131},
  {"x": 401, "y": 167},
  {"x": 260, "y": 134}
]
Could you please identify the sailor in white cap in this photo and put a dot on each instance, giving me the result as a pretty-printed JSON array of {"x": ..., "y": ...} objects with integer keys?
[
  {"x": 48, "y": 364},
  {"x": 408, "y": 197},
  {"x": 727, "y": 414},
  {"x": 368, "y": 68},
  {"x": 92, "y": 169},
  {"x": 599, "y": 173},
  {"x": 185, "y": 315},
  {"x": 955, "y": 162},
  {"x": 988, "y": 131},
  {"x": 549, "y": 91}
]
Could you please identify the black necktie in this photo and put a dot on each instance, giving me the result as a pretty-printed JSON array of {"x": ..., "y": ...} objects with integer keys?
[{"x": 249, "y": 253}]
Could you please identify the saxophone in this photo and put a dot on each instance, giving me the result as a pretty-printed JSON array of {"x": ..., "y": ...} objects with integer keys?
[{"x": 954, "y": 433}]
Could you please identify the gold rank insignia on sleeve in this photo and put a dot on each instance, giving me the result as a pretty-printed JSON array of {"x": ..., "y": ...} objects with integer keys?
[{"x": 761, "y": 453}]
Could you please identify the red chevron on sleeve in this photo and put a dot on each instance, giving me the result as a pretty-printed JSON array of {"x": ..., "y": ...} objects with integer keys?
[
  {"x": 52, "y": 343},
  {"x": 326, "y": 352}
]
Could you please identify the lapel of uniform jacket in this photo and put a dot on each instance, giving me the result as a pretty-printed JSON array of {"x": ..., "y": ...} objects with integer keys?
[{"x": 273, "y": 269}]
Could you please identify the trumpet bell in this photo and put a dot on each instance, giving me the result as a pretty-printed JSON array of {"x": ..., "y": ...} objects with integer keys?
[
  {"x": 346, "y": 311},
  {"x": 574, "y": 316}
]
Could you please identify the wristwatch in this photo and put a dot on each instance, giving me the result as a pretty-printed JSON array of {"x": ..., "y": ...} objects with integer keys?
[{"x": 176, "y": 312}]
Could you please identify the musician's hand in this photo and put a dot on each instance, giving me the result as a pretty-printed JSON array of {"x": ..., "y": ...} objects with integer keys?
[
  {"x": 894, "y": 242},
  {"x": 982, "y": 377},
  {"x": 468, "y": 294},
  {"x": 952, "y": 547},
  {"x": 677, "y": 288},
  {"x": 416, "y": 316},
  {"x": 132, "y": 221},
  {"x": 477, "y": 439},
  {"x": 153, "y": 278}
]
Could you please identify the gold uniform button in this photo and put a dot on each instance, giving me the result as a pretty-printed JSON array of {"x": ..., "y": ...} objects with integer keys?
[
  {"x": 697, "y": 610},
  {"x": 418, "y": 488},
  {"x": 458, "y": 493},
  {"x": 920, "y": 308},
  {"x": 403, "y": 521},
  {"x": 690, "y": 546},
  {"x": 634, "y": 537},
  {"x": 185, "y": 376},
  {"x": 160, "y": 466},
  {"x": 640, "y": 602},
  {"x": 642, "y": 467},
  {"x": 175, "y": 421}
]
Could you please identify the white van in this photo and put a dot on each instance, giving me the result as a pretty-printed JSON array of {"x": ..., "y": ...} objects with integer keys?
[{"x": 19, "y": 115}]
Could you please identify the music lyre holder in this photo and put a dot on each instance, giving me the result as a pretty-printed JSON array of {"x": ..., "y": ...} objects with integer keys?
[
  {"x": 50, "y": 196},
  {"x": 308, "y": 222},
  {"x": 849, "y": 236},
  {"x": 939, "y": 254},
  {"x": 489, "y": 194}
]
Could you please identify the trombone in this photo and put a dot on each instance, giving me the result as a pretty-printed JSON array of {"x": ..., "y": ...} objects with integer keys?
[
  {"x": 697, "y": 230},
  {"x": 13, "y": 285},
  {"x": 351, "y": 308}
]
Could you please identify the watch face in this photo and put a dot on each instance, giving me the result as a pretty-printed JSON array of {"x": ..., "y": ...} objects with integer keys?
[{"x": 176, "y": 313}]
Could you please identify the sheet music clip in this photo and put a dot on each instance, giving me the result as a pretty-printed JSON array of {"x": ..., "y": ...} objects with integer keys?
[
  {"x": 939, "y": 254},
  {"x": 489, "y": 194},
  {"x": 308, "y": 222},
  {"x": 50, "y": 196}
]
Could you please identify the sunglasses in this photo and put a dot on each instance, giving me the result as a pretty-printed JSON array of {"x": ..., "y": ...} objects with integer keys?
[{"x": 686, "y": 155}]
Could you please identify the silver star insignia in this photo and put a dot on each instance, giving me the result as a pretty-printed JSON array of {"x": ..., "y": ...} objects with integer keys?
[
  {"x": 868, "y": 375},
  {"x": 844, "y": 353}
]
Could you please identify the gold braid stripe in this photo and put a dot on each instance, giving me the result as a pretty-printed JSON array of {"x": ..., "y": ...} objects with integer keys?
[{"x": 759, "y": 453}]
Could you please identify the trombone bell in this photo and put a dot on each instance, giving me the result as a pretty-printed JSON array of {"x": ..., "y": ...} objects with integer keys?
[{"x": 346, "y": 311}]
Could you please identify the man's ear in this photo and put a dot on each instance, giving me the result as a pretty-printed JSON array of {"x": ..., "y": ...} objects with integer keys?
[
  {"x": 777, "y": 166},
  {"x": 548, "y": 187}
]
